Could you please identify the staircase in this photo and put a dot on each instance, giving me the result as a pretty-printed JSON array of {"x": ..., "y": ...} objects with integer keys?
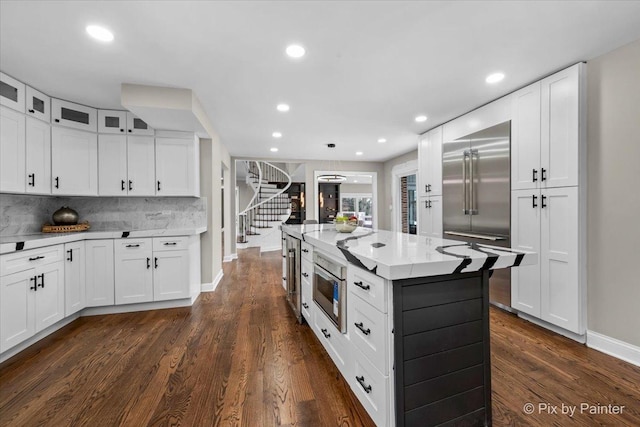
[{"x": 269, "y": 207}]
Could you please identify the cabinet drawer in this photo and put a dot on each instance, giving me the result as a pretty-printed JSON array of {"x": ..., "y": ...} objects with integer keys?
[
  {"x": 371, "y": 388},
  {"x": 369, "y": 287},
  {"x": 131, "y": 246},
  {"x": 306, "y": 295},
  {"x": 336, "y": 343},
  {"x": 369, "y": 332},
  {"x": 307, "y": 251},
  {"x": 306, "y": 268},
  {"x": 24, "y": 260},
  {"x": 170, "y": 243}
]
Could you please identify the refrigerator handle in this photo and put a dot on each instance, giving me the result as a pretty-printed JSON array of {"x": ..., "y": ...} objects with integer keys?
[
  {"x": 473, "y": 154},
  {"x": 465, "y": 209}
]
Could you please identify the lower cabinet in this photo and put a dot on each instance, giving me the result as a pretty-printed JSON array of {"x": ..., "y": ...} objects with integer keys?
[
  {"x": 306, "y": 291},
  {"x": 100, "y": 278},
  {"x": 371, "y": 387},
  {"x": 30, "y": 301},
  {"x": 336, "y": 343},
  {"x": 170, "y": 275},
  {"x": 74, "y": 278},
  {"x": 430, "y": 216}
]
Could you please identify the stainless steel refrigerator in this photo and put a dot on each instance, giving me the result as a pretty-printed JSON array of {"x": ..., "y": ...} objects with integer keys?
[{"x": 476, "y": 190}]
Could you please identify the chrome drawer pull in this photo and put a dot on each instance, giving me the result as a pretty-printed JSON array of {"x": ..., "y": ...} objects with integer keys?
[
  {"x": 362, "y": 286},
  {"x": 364, "y": 385},
  {"x": 361, "y": 327}
]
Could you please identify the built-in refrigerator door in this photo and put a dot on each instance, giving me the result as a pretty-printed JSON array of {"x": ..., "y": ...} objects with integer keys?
[
  {"x": 455, "y": 197},
  {"x": 490, "y": 187}
]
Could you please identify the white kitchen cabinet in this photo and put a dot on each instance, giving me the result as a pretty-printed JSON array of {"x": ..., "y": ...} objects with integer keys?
[
  {"x": 177, "y": 167},
  {"x": 12, "y": 151},
  {"x": 74, "y": 278},
  {"x": 38, "y": 105},
  {"x": 430, "y": 163},
  {"x": 74, "y": 162},
  {"x": 525, "y": 138},
  {"x": 112, "y": 165},
  {"x": 38, "y": 156},
  {"x": 133, "y": 271},
  {"x": 49, "y": 305},
  {"x": 112, "y": 121},
  {"x": 100, "y": 280},
  {"x": 141, "y": 166},
  {"x": 12, "y": 93},
  {"x": 72, "y": 115},
  {"x": 547, "y": 221},
  {"x": 548, "y": 131},
  {"x": 372, "y": 389},
  {"x": 430, "y": 216},
  {"x": 369, "y": 332},
  {"x": 170, "y": 275},
  {"x": 137, "y": 126}
]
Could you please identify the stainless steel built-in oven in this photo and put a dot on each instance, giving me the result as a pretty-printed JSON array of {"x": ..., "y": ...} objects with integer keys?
[{"x": 330, "y": 289}]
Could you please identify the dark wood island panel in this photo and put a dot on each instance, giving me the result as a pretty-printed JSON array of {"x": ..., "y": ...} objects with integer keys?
[{"x": 442, "y": 354}]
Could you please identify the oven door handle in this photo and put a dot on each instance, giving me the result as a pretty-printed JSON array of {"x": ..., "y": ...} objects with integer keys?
[{"x": 327, "y": 276}]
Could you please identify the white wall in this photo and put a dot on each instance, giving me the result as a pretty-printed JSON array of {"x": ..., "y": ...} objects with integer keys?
[
  {"x": 387, "y": 203},
  {"x": 613, "y": 176}
]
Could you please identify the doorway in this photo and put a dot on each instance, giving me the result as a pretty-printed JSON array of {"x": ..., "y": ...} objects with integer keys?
[
  {"x": 346, "y": 193},
  {"x": 408, "y": 204}
]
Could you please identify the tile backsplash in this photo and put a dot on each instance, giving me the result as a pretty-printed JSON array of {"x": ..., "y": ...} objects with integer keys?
[{"x": 25, "y": 214}]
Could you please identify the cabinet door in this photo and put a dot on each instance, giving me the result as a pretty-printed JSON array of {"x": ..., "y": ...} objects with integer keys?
[
  {"x": 17, "y": 299},
  {"x": 133, "y": 274},
  {"x": 74, "y": 162},
  {"x": 38, "y": 105},
  {"x": 177, "y": 168},
  {"x": 423, "y": 166},
  {"x": 435, "y": 162},
  {"x": 170, "y": 275},
  {"x": 560, "y": 128},
  {"x": 11, "y": 93},
  {"x": 525, "y": 138},
  {"x": 73, "y": 115},
  {"x": 12, "y": 151},
  {"x": 560, "y": 291},
  {"x": 141, "y": 166},
  {"x": 430, "y": 216},
  {"x": 49, "y": 306},
  {"x": 74, "y": 278},
  {"x": 112, "y": 165},
  {"x": 525, "y": 235},
  {"x": 137, "y": 126},
  {"x": 38, "y": 156},
  {"x": 112, "y": 121},
  {"x": 100, "y": 282}
]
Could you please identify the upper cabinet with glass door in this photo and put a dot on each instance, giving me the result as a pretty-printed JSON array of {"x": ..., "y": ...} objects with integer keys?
[
  {"x": 73, "y": 115},
  {"x": 38, "y": 105},
  {"x": 11, "y": 93},
  {"x": 137, "y": 126},
  {"x": 112, "y": 121}
]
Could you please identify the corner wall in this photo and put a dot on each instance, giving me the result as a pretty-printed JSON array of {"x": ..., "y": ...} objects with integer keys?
[{"x": 613, "y": 175}]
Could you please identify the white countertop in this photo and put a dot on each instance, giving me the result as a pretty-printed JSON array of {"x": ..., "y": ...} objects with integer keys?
[
  {"x": 38, "y": 240},
  {"x": 401, "y": 256}
]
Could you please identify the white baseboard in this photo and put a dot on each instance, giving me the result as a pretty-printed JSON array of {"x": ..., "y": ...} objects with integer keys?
[
  {"x": 207, "y": 287},
  {"x": 129, "y": 308},
  {"x": 558, "y": 330},
  {"x": 271, "y": 248},
  {"x": 211, "y": 287},
  {"x": 229, "y": 258},
  {"x": 613, "y": 347}
]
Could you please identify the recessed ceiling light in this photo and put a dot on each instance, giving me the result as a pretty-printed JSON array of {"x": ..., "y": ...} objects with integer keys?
[
  {"x": 359, "y": 153},
  {"x": 283, "y": 107},
  {"x": 99, "y": 33},
  {"x": 421, "y": 119},
  {"x": 494, "y": 78},
  {"x": 295, "y": 51},
  {"x": 274, "y": 150},
  {"x": 355, "y": 180},
  {"x": 382, "y": 140},
  {"x": 276, "y": 135}
]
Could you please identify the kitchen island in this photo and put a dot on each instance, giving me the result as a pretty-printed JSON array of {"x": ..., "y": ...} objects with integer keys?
[{"x": 416, "y": 346}]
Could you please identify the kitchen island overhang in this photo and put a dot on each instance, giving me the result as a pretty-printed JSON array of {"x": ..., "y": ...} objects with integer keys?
[{"x": 440, "y": 368}]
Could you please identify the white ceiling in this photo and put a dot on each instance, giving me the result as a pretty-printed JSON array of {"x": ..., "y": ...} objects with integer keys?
[{"x": 370, "y": 66}]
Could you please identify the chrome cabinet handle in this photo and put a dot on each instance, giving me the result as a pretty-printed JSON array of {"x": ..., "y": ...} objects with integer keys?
[
  {"x": 465, "y": 196},
  {"x": 472, "y": 199},
  {"x": 361, "y": 327},
  {"x": 364, "y": 385},
  {"x": 362, "y": 286}
]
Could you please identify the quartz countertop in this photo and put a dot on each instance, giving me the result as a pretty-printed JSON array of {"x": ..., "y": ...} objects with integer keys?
[
  {"x": 38, "y": 240},
  {"x": 395, "y": 256}
]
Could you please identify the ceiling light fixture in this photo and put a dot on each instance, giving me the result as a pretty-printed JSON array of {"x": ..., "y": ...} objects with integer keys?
[
  {"x": 494, "y": 78},
  {"x": 359, "y": 153},
  {"x": 295, "y": 51},
  {"x": 99, "y": 33},
  {"x": 276, "y": 135},
  {"x": 421, "y": 119},
  {"x": 332, "y": 178},
  {"x": 382, "y": 141},
  {"x": 274, "y": 150},
  {"x": 283, "y": 108}
]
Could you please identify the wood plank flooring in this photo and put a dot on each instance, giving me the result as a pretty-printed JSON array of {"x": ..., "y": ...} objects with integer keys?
[{"x": 237, "y": 358}]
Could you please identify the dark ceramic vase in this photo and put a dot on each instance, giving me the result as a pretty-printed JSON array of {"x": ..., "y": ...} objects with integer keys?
[{"x": 65, "y": 216}]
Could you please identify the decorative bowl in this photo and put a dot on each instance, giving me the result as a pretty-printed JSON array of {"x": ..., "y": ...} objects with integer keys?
[{"x": 346, "y": 227}]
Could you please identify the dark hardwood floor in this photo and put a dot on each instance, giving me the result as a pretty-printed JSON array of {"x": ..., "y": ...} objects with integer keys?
[{"x": 238, "y": 358}]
